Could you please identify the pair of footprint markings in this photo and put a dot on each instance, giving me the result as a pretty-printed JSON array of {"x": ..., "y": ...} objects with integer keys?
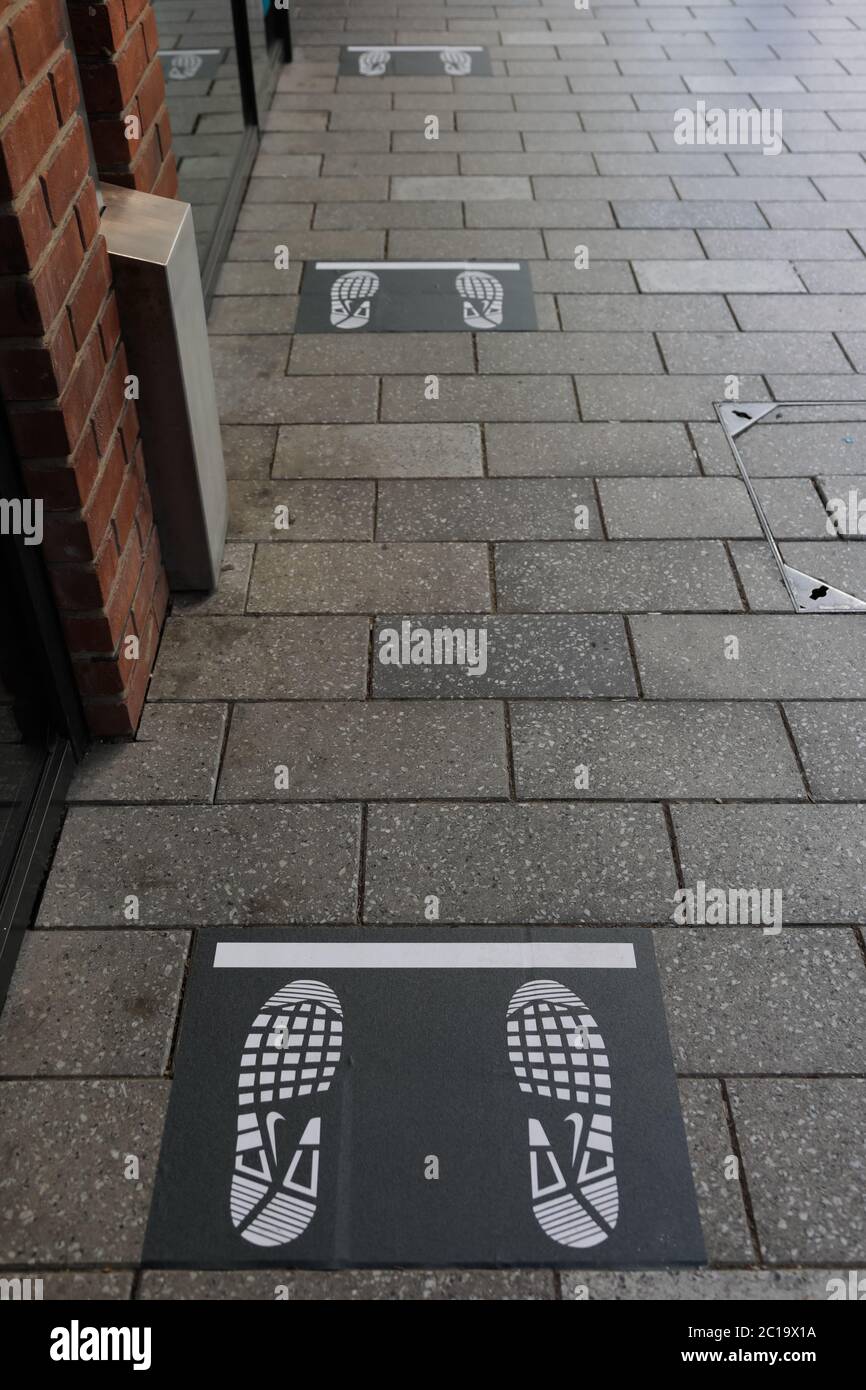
[
  {"x": 352, "y": 298},
  {"x": 558, "y": 1057},
  {"x": 373, "y": 62}
]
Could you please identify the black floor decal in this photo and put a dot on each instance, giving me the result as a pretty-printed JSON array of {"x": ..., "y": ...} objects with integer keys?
[
  {"x": 415, "y": 297},
  {"x": 423, "y": 1097},
  {"x": 414, "y": 60},
  {"x": 188, "y": 64}
]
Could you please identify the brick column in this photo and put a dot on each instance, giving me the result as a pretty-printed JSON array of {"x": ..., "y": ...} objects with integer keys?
[
  {"x": 116, "y": 43},
  {"x": 62, "y": 374}
]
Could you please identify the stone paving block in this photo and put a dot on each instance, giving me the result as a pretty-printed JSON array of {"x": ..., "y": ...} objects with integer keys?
[
  {"x": 815, "y": 855},
  {"x": 490, "y": 509},
  {"x": 93, "y": 1003},
  {"x": 646, "y": 750},
  {"x": 669, "y": 213},
  {"x": 347, "y": 1285},
  {"x": 626, "y": 245},
  {"x": 810, "y": 313},
  {"x": 568, "y": 352},
  {"x": 255, "y": 247},
  {"x": 832, "y": 562},
  {"x": 460, "y": 142},
  {"x": 480, "y": 398},
  {"x": 64, "y": 1286},
  {"x": 372, "y": 751},
  {"x": 262, "y": 356},
  {"x": 507, "y": 863},
  {"x": 720, "y": 1200},
  {"x": 673, "y": 507},
  {"x": 285, "y": 510},
  {"x": 594, "y": 186},
  {"x": 368, "y": 577},
  {"x": 204, "y": 866},
  {"x": 310, "y": 400},
  {"x": 791, "y": 657},
  {"x": 802, "y": 1144},
  {"x": 739, "y": 1001},
  {"x": 589, "y": 449},
  {"x": 248, "y": 450},
  {"x": 304, "y": 190},
  {"x": 378, "y": 451},
  {"x": 752, "y": 352},
  {"x": 262, "y": 659},
  {"x": 612, "y": 576},
  {"x": 175, "y": 757},
  {"x": 717, "y": 277},
  {"x": 659, "y": 397},
  {"x": 64, "y": 1198},
  {"x": 786, "y": 450},
  {"x": 855, "y": 346},
  {"x": 538, "y": 214},
  {"x": 744, "y": 189},
  {"x": 327, "y": 355},
  {"x": 599, "y": 277},
  {"x": 831, "y": 740},
  {"x": 812, "y": 245},
  {"x": 487, "y": 244},
  {"x": 841, "y": 387},
  {"x": 646, "y": 313},
  {"x": 230, "y": 595},
  {"x": 420, "y": 189},
  {"x": 505, "y": 165},
  {"x": 532, "y": 657},
  {"x": 698, "y": 1285},
  {"x": 363, "y": 216},
  {"x": 799, "y": 216},
  {"x": 258, "y": 278}
]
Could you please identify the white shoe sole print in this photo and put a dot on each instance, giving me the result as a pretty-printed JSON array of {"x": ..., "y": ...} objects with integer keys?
[
  {"x": 482, "y": 296},
  {"x": 292, "y": 1051},
  {"x": 558, "y": 1057},
  {"x": 351, "y": 299}
]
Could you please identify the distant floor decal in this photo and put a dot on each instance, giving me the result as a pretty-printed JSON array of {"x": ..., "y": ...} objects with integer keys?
[
  {"x": 416, "y": 297},
  {"x": 414, "y": 60}
]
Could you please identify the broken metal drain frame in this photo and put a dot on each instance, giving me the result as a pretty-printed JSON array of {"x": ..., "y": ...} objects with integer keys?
[{"x": 807, "y": 593}]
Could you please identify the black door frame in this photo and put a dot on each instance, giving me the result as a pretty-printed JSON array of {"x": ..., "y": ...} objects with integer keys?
[{"x": 28, "y": 587}]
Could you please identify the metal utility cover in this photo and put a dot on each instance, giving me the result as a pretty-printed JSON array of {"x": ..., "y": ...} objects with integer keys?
[
  {"x": 423, "y": 1097},
  {"x": 414, "y": 60},
  {"x": 808, "y": 593},
  {"x": 190, "y": 64},
  {"x": 416, "y": 297}
]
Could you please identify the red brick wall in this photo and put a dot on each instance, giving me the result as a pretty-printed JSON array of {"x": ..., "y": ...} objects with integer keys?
[
  {"x": 116, "y": 44},
  {"x": 62, "y": 370}
]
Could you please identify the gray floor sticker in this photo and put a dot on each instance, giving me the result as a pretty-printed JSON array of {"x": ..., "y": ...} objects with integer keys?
[
  {"x": 415, "y": 297},
  {"x": 414, "y": 60},
  {"x": 188, "y": 64},
  {"x": 423, "y": 1098}
]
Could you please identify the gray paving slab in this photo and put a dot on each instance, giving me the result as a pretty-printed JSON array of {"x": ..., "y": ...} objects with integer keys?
[
  {"x": 367, "y": 1285},
  {"x": 204, "y": 866},
  {"x": 741, "y": 1002},
  {"x": 659, "y": 397},
  {"x": 786, "y": 450},
  {"x": 810, "y": 244},
  {"x": 791, "y": 657},
  {"x": 598, "y": 277},
  {"x": 568, "y": 352},
  {"x": 487, "y": 244},
  {"x": 70, "y": 1139},
  {"x": 681, "y": 507},
  {"x": 230, "y": 595},
  {"x": 298, "y": 400},
  {"x": 802, "y": 1144},
  {"x": 636, "y": 750},
  {"x": 92, "y": 1003},
  {"x": 526, "y": 657},
  {"x": 810, "y": 313},
  {"x": 65, "y": 1286},
  {"x": 480, "y": 398},
  {"x": 369, "y": 577},
  {"x": 284, "y": 510},
  {"x": 752, "y": 352},
  {"x": 717, "y": 277},
  {"x": 814, "y": 855},
  {"x": 614, "y": 576},
  {"x": 667, "y": 212},
  {"x": 537, "y": 214},
  {"x": 831, "y": 740},
  {"x": 489, "y": 509},
  {"x": 248, "y": 450},
  {"x": 327, "y": 354},
  {"x": 378, "y": 750},
  {"x": 421, "y": 189},
  {"x": 378, "y": 451},
  {"x": 175, "y": 757},
  {"x": 508, "y": 863},
  {"x": 594, "y": 449},
  {"x": 361, "y": 216},
  {"x": 720, "y": 1199},
  {"x": 644, "y": 313},
  {"x": 699, "y": 1285},
  {"x": 262, "y": 659}
]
